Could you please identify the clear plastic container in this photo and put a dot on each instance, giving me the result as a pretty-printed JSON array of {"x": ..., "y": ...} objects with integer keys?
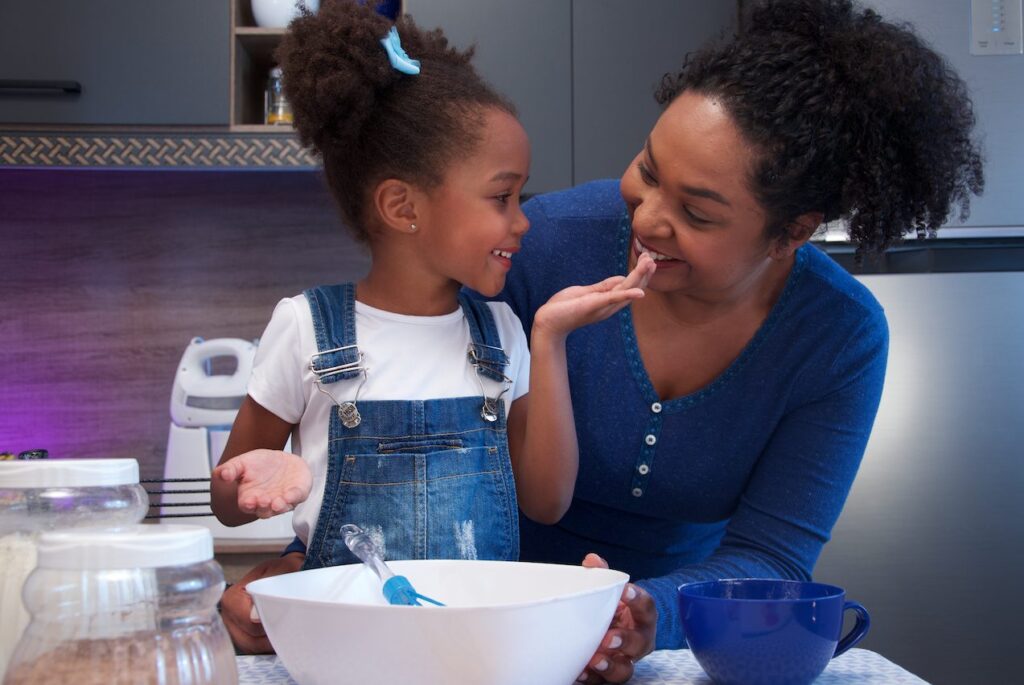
[
  {"x": 49, "y": 495},
  {"x": 132, "y": 606}
]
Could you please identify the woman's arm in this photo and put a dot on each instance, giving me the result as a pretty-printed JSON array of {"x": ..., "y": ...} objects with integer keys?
[
  {"x": 236, "y": 606},
  {"x": 542, "y": 432},
  {"x": 254, "y": 479}
]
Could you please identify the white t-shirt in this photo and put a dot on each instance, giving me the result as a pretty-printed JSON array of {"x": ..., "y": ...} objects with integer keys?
[{"x": 406, "y": 358}]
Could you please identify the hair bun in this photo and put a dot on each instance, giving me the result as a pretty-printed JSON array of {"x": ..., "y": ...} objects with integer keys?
[
  {"x": 334, "y": 69},
  {"x": 818, "y": 20}
]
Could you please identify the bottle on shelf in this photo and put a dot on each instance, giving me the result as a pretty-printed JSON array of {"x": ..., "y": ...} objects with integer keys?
[{"x": 277, "y": 111}]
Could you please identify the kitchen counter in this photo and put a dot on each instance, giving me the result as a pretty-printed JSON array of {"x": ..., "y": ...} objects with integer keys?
[{"x": 665, "y": 667}]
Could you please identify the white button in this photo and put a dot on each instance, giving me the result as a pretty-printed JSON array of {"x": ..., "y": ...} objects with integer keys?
[
  {"x": 656, "y": 407},
  {"x": 650, "y": 439},
  {"x": 644, "y": 469},
  {"x": 637, "y": 492}
]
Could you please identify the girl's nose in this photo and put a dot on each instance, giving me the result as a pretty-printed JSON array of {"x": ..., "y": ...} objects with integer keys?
[{"x": 521, "y": 224}]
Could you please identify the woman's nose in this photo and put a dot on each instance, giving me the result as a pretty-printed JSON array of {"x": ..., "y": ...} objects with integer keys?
[{"x": 648, "y": 217}]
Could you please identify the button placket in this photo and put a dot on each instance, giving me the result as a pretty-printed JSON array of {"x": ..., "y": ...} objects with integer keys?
[{"x": 642, "y": 469}]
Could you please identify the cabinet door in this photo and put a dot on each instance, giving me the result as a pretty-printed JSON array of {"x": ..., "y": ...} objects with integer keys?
[
  {"x": 523, "y": 49},
  {"x": 138, "y": 62},
  {"x": 621, "y": 49}
]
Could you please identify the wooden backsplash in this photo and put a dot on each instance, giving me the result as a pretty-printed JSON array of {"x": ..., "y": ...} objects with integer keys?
[{"x": 107, "y": 275}]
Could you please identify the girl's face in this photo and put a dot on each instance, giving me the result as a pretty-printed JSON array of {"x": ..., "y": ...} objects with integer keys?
[
  {"x": 473, "y": 221},
  {"x": 690, "y": 206}
]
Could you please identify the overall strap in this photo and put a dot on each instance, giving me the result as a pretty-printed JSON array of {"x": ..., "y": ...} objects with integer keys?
[
  {"x": 334, "y": 325},
  {"x": 485, "y": 351}
]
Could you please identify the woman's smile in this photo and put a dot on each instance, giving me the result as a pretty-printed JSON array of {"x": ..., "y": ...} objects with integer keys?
[{"x": 661, "y": 260}]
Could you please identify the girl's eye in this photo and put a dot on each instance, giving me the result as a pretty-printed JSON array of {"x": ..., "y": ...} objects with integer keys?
[
  {"x": 646, "y": 175},
  {"x": 503, "y": 198}
]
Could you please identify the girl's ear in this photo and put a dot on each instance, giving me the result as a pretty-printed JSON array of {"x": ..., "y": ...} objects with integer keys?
[
  {"x": 798, "y": 232},
  {"x": 395, "y": 203}
]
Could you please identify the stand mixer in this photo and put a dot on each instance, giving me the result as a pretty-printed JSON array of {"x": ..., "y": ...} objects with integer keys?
[{"x": 204, "y": 403}]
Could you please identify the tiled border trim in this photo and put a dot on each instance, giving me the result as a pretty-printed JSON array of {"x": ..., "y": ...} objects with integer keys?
[{"x": 167, "y": 150}]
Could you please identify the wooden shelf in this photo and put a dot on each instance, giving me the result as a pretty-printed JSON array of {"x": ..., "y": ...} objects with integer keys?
[
  {"x": 262, "y": 128},
  {"x": 258, "y": 31},
  {"x": 252, "y": 58}
]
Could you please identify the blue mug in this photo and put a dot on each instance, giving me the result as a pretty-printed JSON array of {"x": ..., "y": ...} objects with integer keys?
[{"x": 754, "y": 631}]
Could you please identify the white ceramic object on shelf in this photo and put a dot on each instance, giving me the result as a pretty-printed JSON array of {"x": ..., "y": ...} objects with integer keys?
[
  {"x": 504, "y": 623},
  {"x": 277, "y": 14}
]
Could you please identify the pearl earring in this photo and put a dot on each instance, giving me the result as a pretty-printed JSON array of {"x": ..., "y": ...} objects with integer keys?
[{"x": 412, "y": 228}]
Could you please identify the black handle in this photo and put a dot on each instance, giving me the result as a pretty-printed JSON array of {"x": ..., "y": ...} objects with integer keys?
[{"x": 29, "y": 86}]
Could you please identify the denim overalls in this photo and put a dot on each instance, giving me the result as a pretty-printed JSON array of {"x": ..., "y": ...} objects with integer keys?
[{"x": 426, "y": 478}]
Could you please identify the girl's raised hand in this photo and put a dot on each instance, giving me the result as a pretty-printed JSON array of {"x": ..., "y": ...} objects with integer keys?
[
  {"x": 580, "y": 305},
  {"x": 270, "y": 482}
]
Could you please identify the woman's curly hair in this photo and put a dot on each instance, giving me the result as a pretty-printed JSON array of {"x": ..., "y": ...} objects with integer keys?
[
  {"x": 367, "y": 121},
  {"x": 853, "y": 116}
]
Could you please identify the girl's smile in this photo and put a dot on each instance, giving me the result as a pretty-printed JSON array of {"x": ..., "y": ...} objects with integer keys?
[{"x": 504, "y": 257}]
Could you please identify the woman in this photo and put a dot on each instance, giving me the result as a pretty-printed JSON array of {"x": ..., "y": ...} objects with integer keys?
[{"x": 723, "y": 417}]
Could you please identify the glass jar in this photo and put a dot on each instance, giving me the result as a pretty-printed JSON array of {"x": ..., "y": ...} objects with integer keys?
[
  {"x": 276, "y": 108},
  {"x": 133, "y": 606},
  {"x": 48, "y": 495}
]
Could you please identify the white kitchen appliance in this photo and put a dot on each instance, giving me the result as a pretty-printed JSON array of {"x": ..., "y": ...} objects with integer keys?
[{"x": 209, "y": 387}]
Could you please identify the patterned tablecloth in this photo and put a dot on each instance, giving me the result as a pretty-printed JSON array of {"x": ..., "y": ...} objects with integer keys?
[{"x": 666, "y": 667}]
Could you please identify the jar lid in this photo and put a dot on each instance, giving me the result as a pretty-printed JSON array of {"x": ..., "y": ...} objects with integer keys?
[
  {"x": 135, "y": 546},
  {"x": 68, "y": 473}
]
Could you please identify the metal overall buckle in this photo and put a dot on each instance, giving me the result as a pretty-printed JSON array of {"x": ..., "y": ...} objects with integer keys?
[
  {"x": 348, "y": 412},
  {"x": 493, "y": 369}
]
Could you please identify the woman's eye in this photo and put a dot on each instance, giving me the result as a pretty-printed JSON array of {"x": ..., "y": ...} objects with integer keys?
[
  {"x": 646, "y": 175},
  {"x": 695, "y": 218}
]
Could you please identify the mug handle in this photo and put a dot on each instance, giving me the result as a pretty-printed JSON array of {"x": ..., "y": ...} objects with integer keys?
[{"x": 859, "y": 630}]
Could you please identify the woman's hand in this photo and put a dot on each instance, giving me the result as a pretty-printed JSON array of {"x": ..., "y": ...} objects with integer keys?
[
  {"x": 630, "y": 636},
  {"x": 580, "y": 305},
  {"x": 270, "y": 482},
  {"x": 237, "y": 609}
]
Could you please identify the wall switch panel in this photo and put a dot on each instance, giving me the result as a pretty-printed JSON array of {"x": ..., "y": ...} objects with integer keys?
[{"x": 996, "y": 27}]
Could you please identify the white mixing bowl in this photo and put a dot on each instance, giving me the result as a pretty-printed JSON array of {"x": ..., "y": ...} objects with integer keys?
[{"x": 503, "y": 623}]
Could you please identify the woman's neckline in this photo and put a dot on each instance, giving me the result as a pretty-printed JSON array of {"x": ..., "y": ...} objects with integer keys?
[{"x": 628, "y": 328}]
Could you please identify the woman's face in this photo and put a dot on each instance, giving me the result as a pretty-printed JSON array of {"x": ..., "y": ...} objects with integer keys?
[{"x": 690, "y": 206}]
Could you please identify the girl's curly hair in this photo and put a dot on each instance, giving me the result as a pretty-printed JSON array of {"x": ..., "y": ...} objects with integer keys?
[
  {"x": 367, "y": 121},
  {"x": 853, "y": 116}
]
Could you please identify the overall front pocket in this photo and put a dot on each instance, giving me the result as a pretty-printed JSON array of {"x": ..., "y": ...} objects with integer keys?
[{"x": 445, "y": 504}]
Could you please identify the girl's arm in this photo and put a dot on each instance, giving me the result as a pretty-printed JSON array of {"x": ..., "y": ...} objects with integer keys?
[
  {"x": 542, "y": 432},
  {"x": 254, "y": 478}
]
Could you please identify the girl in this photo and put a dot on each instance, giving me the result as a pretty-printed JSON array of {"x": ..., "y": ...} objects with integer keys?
[{"x": 407, "y": 400}]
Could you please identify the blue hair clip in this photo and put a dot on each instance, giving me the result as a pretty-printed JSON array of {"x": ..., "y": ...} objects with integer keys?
[{"x": 396, "y": 55}]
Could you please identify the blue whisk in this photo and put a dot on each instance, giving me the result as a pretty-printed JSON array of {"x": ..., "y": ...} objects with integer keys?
[{"x": 397, "y": 589}]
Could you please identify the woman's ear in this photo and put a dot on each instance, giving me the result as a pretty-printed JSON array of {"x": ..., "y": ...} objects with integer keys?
[
  {"x": 798, "y": 232},
  {"x": 395, "y": 203}
]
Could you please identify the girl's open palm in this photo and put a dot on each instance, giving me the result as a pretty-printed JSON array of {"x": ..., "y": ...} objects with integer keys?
[
  {"x": 580, "y": 305},
  {"x": 270, "y": 482}
]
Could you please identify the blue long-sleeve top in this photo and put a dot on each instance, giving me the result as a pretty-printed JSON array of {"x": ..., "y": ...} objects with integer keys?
[{"x": 743, "y": 478}]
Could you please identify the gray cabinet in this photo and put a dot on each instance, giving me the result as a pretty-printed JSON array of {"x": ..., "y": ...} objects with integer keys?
[
  {"x": 144, "y": 62},
  {"x": 581, "y": 72},
  {"x": 620, "y": 50},
  {"x": 523, "y": 49}
]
